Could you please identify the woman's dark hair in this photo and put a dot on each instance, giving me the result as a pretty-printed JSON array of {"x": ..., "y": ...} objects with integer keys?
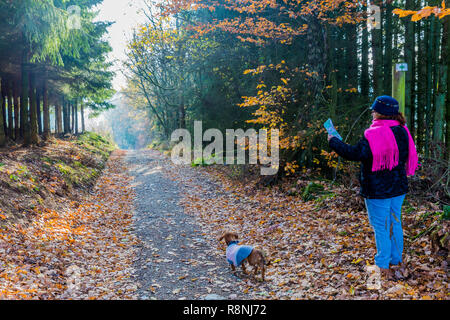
[{"x": 399, "y": 117}]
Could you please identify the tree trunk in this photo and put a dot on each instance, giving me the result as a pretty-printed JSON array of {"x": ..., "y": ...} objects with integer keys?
[
  {"x": 316, "y": 58},
  {"x": 182, "y": 114},
  {"x": 422, "y": 79},
  {"x": 331, "y": 72},
  {"x": 442, "y": 87},
  {"x": 69, "y": 112},
  {"x": 33, "y": 110},
  {"x": 436, "y": 80},
  {"x": 16, "y": 110},
  {"x": 4, "y": 93},
  {"x": 364, "y": 79},
  {"x": 387, "y": 60},
  {"x": 377, "y": 54},
  {"x": 38, "y": 111},
  {"x": 56, "y": 119},
  {"x": 351, "y": 61},
  {"x": 59, "y": 119},
  {"x": 66, "y": 116},
  {"x": 83, "y": 127},
  {"x": 46, "y": 111},
  {"x": 339, "y": 66},
  {"x": 181, "y": 107},
  {"x": 410, "y": 75},
  {"x": 10, "y": 109},
  {"x": 447, "y": 103},
  {"x": 64, "y": 112},
  {"x": 429, "y": 83},
  {"x": 69, "y": 117},
  {"x": 24, "y": 118},
  {"x": 72, "y": 125},
  {"x": 75, "y": 114},
  {"x": 2, "y": 126}
]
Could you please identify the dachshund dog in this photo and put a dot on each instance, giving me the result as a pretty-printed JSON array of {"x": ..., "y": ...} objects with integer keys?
[{"x": 238, "y": 255}]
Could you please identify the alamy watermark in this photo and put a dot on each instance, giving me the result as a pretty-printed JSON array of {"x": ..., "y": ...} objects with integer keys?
[
  {"x": 74, "y": 18},
  {"x": 373, "y": 278},
  {"x": 242, "y": 147},
  {"x": 374, "y": 16}
]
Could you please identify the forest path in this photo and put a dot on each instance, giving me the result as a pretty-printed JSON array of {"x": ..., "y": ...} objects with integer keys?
[{"x": 175, "y": 261}]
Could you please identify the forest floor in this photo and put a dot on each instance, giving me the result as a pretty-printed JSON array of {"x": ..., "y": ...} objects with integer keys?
[
  {"x": 65, "y": 222},
  {"x": 147, "y": 229},
  {"x": 176, "y": 258},
  {"x": 320, "y": 249}
]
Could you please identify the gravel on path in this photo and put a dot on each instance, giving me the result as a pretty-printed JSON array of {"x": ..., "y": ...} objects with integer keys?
[{"x": 175, "y": 261}]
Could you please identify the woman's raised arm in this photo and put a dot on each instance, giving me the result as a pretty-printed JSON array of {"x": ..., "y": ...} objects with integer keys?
[{"x": 360, "y": 152}]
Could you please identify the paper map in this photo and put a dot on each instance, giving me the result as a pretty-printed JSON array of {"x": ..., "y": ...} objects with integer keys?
[{"x": 331, "y": 129}]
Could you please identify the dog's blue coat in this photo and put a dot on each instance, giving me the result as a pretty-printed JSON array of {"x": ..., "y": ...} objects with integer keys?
[{"x": 236, "y": 254}]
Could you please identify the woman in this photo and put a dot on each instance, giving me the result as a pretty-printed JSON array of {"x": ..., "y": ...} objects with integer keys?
[{"x": 388, "y": 155}]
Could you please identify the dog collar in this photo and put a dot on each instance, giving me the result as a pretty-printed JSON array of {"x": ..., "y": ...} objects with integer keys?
[{"x": 233, "y": 242}]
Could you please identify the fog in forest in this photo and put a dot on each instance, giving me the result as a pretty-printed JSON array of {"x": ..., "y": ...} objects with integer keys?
[{"x": 128, "y": 127}]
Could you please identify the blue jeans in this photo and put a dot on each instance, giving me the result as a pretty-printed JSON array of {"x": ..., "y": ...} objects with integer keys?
[{"x": 386, "y": 219}]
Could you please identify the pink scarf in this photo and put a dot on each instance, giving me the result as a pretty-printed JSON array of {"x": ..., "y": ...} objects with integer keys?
[{"x": 384, "y": 147}]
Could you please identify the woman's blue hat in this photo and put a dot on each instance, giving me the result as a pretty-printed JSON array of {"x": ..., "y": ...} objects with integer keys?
[{"x": 386, "y": 105}]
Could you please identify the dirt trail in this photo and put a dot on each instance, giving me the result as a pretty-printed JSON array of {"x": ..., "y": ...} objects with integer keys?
[{"x": 174, "y": 260}]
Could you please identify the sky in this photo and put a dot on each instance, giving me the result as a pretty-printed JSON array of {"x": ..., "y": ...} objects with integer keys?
[{"x": 126, "y": 15}]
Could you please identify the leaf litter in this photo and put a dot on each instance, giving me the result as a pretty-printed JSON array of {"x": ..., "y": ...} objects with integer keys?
[
  {"x": 316, "y": 251},
  {"x": 82, "y": 252},
  {"x": 86, "y": 247}
]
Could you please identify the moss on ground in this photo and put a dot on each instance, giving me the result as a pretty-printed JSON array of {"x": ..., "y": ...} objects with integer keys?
[
  {"x": 77, "y": 174},
  {"x": 35, "y": 178},
  {"x": 96, "y": 144}
]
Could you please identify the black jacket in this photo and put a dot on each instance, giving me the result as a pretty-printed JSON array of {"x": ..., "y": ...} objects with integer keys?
[{"x": 381, "y": 184}]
